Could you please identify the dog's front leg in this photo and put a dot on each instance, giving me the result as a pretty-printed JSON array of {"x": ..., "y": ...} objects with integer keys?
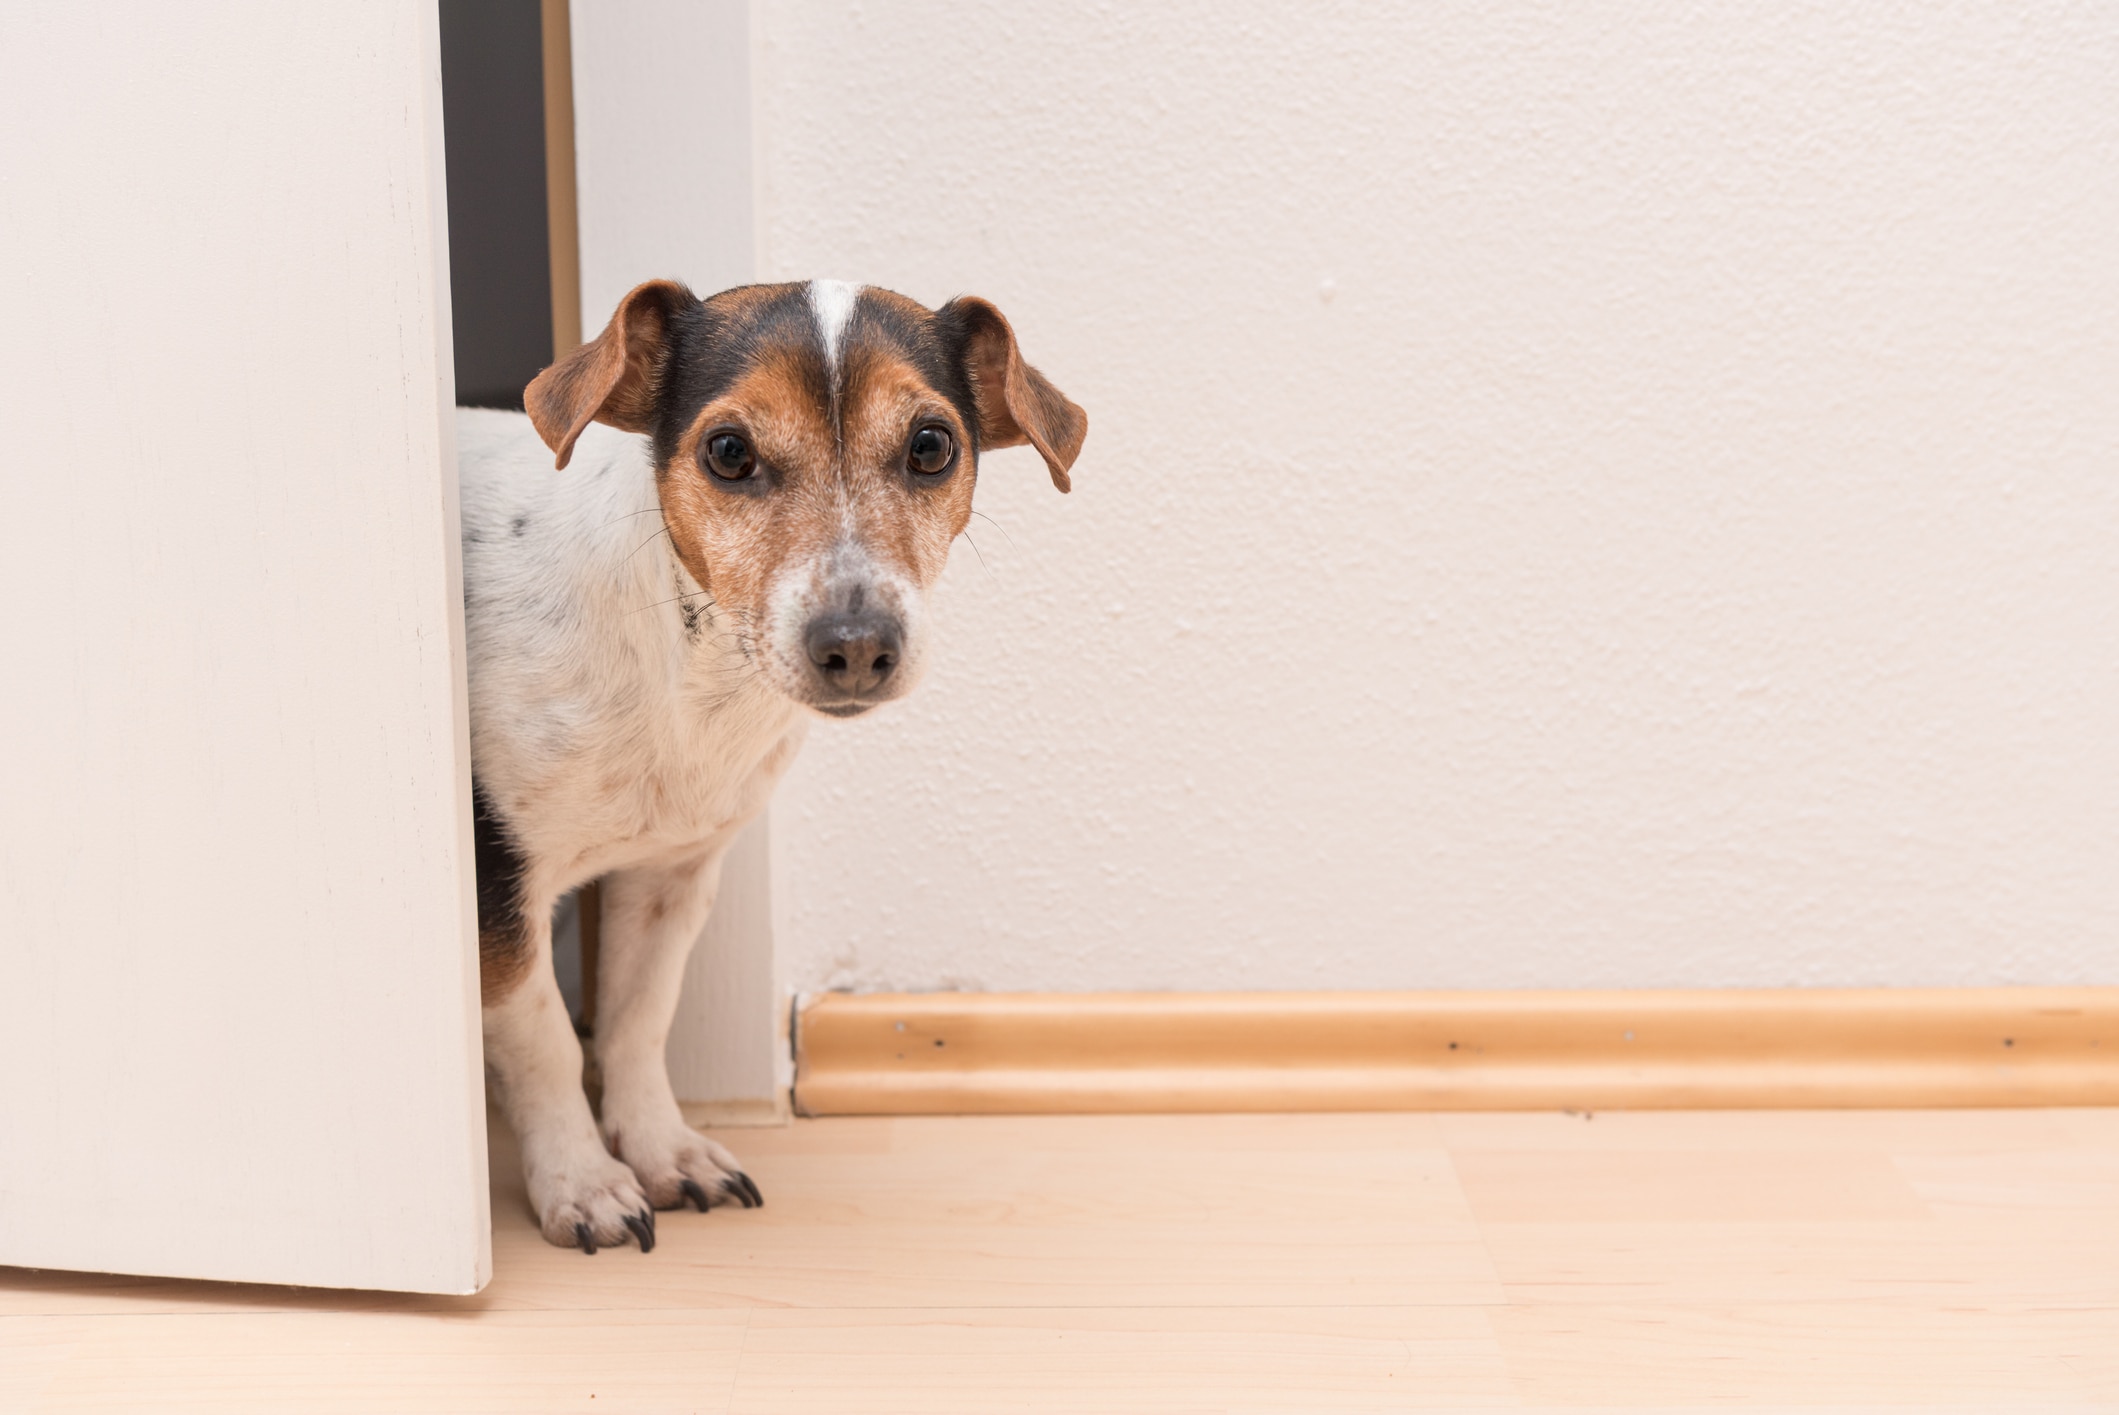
[
  {"x": 650, "y": 918},
  {"x": 584, "y": 1197}
]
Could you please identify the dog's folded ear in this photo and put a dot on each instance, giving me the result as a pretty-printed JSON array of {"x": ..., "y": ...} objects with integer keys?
[
  {"x": 611, "y": 379},
  {"x": 1016, "y": 403}
]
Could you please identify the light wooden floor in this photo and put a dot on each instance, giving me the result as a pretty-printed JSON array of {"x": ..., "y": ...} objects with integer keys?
[{"x": 1834, "y": 1261}]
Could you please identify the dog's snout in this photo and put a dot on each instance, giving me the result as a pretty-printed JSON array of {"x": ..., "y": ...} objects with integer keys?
[{"x": 855, "y": 651}]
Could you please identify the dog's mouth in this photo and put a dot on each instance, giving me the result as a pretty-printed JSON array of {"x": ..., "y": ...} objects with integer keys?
[{"x": 842, "y": 709}]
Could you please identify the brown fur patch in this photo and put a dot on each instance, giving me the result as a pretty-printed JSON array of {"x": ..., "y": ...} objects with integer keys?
[
  {"x": 1017, "y": 404},
  {"x": 503, "y": 962},
  {"x": 610, "y": 379},
  {"x": 907, "y": 523},
  {"x": 733, "y": 540}
]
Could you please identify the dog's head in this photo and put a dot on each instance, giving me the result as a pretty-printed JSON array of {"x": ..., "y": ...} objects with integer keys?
[{"x": 815, "y": 449}]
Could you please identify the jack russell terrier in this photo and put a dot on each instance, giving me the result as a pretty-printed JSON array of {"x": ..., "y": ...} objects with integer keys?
[{"x": 809, "y": 451}]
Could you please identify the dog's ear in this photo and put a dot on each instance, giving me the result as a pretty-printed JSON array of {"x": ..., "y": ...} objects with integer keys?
[
  {"x": 1016, "y": 403},
  {"x": 612, "y": 378}
]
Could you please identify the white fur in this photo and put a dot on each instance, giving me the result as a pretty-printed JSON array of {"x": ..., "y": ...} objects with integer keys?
[
  {"x": 618, "y": 742},
  {"x": 832, "y": 302}
]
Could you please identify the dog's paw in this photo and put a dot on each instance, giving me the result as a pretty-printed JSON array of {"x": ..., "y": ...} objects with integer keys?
[
  {"x": 593, "y": 1203},
  {"x": 677, "y": 1165}
]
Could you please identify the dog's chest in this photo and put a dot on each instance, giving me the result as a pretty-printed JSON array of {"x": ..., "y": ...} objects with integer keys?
[{"x": 682, "y": 783}]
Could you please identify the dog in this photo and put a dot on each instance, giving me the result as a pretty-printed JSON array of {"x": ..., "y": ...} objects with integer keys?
[{"x": 714, "y": 522}]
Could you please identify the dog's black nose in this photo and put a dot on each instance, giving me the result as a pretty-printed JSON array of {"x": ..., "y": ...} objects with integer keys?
[{"x": 855, "y": 651}]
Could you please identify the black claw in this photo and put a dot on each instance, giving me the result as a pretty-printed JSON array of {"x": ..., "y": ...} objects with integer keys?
[
  {"x": 757, "y": 1200},
  {"x": 693, "y": 1192},
  {"x": 643, "y": 1233},
  {"x": 586, "y": 1239},
  {"x": 733, "y": 1187}
]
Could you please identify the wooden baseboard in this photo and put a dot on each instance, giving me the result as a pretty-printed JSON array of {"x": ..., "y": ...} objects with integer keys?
[{"x": 985, "y": 1053}]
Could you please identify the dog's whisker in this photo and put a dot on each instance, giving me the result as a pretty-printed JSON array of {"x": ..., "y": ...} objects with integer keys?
[
  {"x": 996, "y": 525},
  {"x": 643, "y": 511},
  {"x": 644, "y": 545},
  {"x": 966, "y": 534},
  {"x": 660, "y": 602}
]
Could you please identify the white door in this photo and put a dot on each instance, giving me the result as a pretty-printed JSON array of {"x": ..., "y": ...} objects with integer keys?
[{"x": 237, "y": 939}]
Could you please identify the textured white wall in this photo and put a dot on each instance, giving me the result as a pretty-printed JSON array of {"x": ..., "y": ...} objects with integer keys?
[
  {"x": 1576, "y": 496},
  {"x": 662, "y": 146}
]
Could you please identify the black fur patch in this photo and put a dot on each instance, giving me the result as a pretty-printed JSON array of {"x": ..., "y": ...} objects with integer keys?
[
  {"x": 931, "y": 344},
  {"x": 713, "y": 343},
  {"x": 945, "y": 367},
  {"x": 503, "y": 931}
]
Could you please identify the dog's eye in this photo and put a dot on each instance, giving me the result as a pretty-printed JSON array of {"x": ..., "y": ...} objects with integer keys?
[
  {"x": 930, "y": 451},
  {"x": 729, "y": 457}
]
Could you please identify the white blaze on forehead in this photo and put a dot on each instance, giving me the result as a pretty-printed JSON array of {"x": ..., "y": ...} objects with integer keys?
[{"x": 832, "y": 302}]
